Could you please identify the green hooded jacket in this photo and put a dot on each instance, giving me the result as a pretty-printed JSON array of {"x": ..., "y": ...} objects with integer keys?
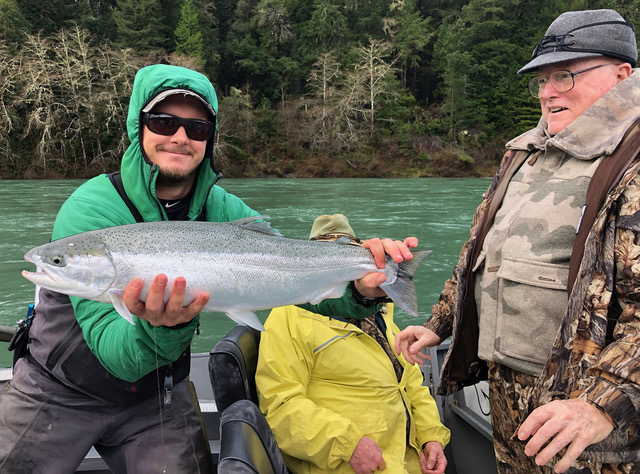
[{"x": 126, "y": 351}]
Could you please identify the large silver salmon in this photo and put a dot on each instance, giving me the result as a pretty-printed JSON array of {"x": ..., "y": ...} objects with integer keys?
[{"x": 244, "y": 264}]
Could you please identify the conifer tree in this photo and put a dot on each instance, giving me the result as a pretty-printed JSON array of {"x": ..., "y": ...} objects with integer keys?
[
  {"x": 141, "y": 25},
  {"x": 410, "y": 34},
  {"x": 478, "y": 54},
  {"x": 47, "y": 15},
  {"x": 208, "y": 16},
  {"x": 188, "y": 35},
  {"x": 328, "y": 25},
  {"x": 13, "y": 24},
  {"x": 96, "y": 17}
]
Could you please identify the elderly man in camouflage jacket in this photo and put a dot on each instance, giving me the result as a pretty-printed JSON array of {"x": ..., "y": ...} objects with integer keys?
[{"x": 545, "y": 299}]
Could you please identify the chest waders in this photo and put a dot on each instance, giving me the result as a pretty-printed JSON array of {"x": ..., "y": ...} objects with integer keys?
[{"x": 464, "y": 367}]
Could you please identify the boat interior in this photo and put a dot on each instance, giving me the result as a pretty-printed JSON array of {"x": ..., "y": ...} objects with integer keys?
[{"x": 240, "y": 438}]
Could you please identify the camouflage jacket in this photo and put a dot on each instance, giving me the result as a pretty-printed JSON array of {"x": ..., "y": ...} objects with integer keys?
[{"x": 596, "y": 352}]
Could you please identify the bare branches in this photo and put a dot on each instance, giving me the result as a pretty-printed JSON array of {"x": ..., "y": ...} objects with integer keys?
[
  {"x": 342, "y": 106},
  {"x": 65, "y": 100},
  {"x": 9, "y": 73}
]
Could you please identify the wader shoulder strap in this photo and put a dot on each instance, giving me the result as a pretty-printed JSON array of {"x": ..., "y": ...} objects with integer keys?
[
  {"x": 116, "y": 180},
  {"x": 605, "y": 178}
]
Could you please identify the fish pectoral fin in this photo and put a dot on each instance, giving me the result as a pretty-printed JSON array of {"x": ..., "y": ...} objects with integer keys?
[
  {"x": 121, "y": 308},
  {"x": 333, "y": 292},
  {"x": 247, "y": 318}
]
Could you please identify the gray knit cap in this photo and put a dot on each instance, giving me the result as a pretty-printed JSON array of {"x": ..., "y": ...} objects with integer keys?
[{"x": 585, "y": 34}]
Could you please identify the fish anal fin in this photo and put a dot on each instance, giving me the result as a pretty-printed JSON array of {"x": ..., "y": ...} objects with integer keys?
[
  {"x": 247, "y": 318},
  {"x": 121, "y": 308}
]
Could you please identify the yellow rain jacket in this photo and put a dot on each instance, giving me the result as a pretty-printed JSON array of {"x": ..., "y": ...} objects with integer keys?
[{"x": 323, "y": 384}]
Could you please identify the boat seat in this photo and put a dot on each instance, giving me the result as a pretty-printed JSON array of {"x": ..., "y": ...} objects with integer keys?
[
  {"x": 232, "y": 367},
  {"x": 247, "y": 444}
]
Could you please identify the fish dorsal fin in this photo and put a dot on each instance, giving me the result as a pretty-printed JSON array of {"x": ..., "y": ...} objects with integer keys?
[
  {"x": 344, "y": 240},
  {"x": 256, "y": 224}
]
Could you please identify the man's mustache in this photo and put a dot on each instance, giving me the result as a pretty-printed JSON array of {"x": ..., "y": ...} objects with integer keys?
[{"x": 185, "y": 150}]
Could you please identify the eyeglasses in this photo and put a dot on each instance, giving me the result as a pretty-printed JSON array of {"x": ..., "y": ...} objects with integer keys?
[
  {"x": 167, "y": 124},
  {"x": 562, "y": 81}
]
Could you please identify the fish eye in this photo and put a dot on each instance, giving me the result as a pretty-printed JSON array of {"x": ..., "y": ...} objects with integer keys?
[{"x": 57, "y": 260}]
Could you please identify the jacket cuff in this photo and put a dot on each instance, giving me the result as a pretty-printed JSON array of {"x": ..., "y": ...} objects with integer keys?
[
  {"x": 181, "y": 332},
  {"x": 440, "y": 434},
  {"x": 345, "y": 445},
  {"x": 609, "y": 398},
  {"x": 440, "y": 326}
]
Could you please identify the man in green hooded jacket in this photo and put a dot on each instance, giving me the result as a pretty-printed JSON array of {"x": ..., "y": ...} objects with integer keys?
[{"x": 89, "y": 378}]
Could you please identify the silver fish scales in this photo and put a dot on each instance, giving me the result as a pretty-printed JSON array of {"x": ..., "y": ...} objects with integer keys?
[{"x": 244, "y": 264}]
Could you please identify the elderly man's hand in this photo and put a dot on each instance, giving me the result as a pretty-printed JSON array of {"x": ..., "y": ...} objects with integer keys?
[
  {"x": 412, "y": 339},
  {"x": 432, "y": 459},
  {"x": 399, "y": 251},
  {"x": 155, "y": 310},
  {"x": 573, "y": 423},
  {"x": 367, "y": 457}
]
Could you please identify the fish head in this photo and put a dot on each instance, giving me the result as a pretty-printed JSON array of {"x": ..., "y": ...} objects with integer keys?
[{"x": 72, "y": 266}]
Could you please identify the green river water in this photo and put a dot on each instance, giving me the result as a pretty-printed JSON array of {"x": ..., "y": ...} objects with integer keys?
[{"x": 436, "y": 210}]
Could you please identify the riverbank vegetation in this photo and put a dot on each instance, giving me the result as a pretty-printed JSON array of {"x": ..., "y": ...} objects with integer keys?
[{"x": 306, "y": 88}]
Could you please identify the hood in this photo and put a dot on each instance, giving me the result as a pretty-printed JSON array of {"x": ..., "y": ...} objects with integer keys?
[{"x": 138, "y": 174}]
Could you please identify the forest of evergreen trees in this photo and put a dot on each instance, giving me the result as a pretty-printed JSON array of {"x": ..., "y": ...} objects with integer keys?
[{"x": 306, "y": 87}]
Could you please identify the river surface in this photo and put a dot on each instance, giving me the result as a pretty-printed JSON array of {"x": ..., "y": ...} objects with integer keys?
[{"x": 436, "y": 210}]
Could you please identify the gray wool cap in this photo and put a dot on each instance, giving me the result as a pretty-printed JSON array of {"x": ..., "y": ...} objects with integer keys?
[{"x": 584, "y": 34}]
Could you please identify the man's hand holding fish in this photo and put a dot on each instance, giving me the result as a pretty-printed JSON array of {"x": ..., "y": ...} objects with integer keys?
[
  {"x": 155, "y": 310},
  {"x": 369, "y": 285}
]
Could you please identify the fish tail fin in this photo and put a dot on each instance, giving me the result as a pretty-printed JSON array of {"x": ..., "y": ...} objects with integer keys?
[{"x": 403, "y": 291}]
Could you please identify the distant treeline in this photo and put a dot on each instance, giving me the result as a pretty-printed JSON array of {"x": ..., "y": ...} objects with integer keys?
[{"x": 306, "y": 87}]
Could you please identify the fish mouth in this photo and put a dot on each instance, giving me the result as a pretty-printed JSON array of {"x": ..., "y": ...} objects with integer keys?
[
  {"x": 41, "y": 276},
  {"x": 40, "y": 279}
]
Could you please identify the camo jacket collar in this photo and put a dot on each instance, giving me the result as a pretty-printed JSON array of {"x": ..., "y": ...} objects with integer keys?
[{"x": 606, "y": 122}]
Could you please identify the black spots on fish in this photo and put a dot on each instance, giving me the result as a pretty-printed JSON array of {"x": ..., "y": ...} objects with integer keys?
[
  {"x": 91, "y": 247},
  {"x": 404, "y": 274}
]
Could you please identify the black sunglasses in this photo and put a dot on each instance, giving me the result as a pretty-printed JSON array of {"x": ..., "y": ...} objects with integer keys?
[{"x": 167, "y": 124}]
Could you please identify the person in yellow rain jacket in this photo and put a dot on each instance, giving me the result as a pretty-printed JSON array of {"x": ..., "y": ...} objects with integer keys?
[{"x": 337, "y": 397}]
